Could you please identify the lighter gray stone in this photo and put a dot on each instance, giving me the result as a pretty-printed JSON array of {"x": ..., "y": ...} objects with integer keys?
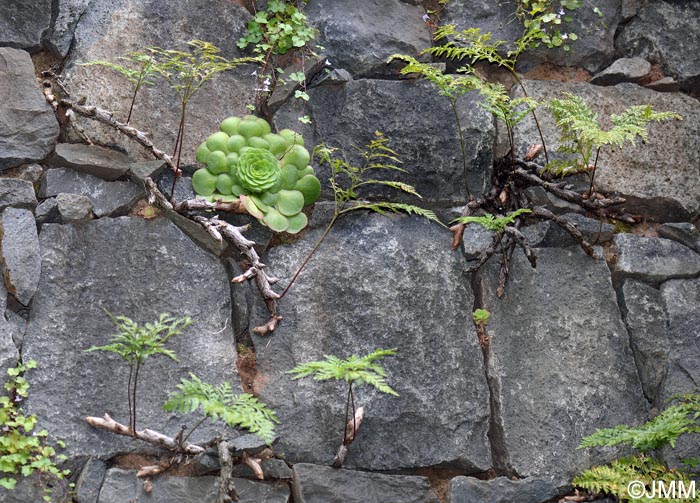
[
  {"x": 108, "y": 198},
  {"x": 647, "y": 324},
  {"x": 16, "y": 193},
  {"x": 112, "y": 28},
  {"x": 392, "y": 283},
  {"x": 138, "y": 268},
  {"x": 654, "y": 259},
  {"x": 683, "y": 232},
  {"x": 74, "y": 208},
  {"x": 63, "y": 28},
  {"x": 89, "y": 483},
  {"x": 593, "y": 231},
  {"x": 623, "y": 70},
  {"x": 21, "y": 259},
  {"x": 47, "y": 212},
  {"x": 272, "y": 468},
  {"x": 656, "y": 177},
  {"x": 91, "y": 159},
  {"x": 121, "y": 485},
  {"x": 28, "y": 127},
  {"x": 476, "y": 239},
  {"x": 8, "y": 350},
  {"x": 360, "y": 36},
  {"x": 139, "y": 171},
  {"x": 322, "y": 484},
  {"x": 547, "y": 319},
  {"x": 501, "y": 490},
  {"x": 23, "y": 23},
  {"x": 420, "y": 126}
]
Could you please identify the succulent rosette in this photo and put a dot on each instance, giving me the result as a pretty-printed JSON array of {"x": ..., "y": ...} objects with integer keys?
[{"x": 269, "y": 173}]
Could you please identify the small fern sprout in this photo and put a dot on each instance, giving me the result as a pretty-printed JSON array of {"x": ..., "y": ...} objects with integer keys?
[
  {"x": 220, "y": 403},
  {"x": 582, "y": 135},
  {"x": 491, "y": 223},
  {"x": 355, "y": 371}
]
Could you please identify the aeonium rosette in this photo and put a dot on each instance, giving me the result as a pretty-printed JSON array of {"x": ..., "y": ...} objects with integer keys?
[{"x": 269, "y": 173}]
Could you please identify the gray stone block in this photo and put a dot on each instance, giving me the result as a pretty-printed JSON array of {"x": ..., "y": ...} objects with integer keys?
[
  {"x": 21, "y": 256},
  {"x": 654, "y": 259},
  {"x": 16, "y": 193},
  {"x": 91, "y": 159},
  {"x": 501, "y": 490}
]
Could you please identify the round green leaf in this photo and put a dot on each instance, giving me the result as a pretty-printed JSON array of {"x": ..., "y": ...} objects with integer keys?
[
  {"x": 230, "y": 125},
  {"x": 203, "y": 182},
  {"x": 269, "y": 198},
  {"x": 291, "y": 137},
  {"x": 235, "y": 142},
  {"x": 290, "y": 202},
  {"x": 288, "y": 177},
  {"x": 297, "y": 223},
  {"x": 202, "y": 153},
  {"x": 224, "y": 183},
  {"x": 310, "y": 188},
  {"x": 217, "y": 141},
  {"x": 275, "y": 221},
  {"x": 251, "y": 127},
  {"x": 278, "y": 145},
  {"x": 251, "y": 207},
  {"x": 216, "y": 162},
  {"x": 296, "y": 155},
  {"x": 257, "y": 142},
  {"x": 259, "y": 203}
]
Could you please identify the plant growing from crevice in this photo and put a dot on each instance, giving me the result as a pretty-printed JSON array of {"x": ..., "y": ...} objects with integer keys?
[
  {"x": 24, "y": 451},
  {"x": 186, "y": 72},
  {"x": 135, "y": 344},
  {"x": 356, "y": 371},
  {"x": 279, "y": 31},
  {"x": 583, "y": 137},
  {"x": 347, "y": 181},
  {"x": 545, "y": 20},
  {"x": 481, "y": 319},
  {"x": 138, "y": 77},
  {"x": 682, "y": 417},
  {"x": 266, "y": 173}
]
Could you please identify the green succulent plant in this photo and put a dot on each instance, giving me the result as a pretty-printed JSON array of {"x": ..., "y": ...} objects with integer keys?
[{"x": 268, "y": 172}]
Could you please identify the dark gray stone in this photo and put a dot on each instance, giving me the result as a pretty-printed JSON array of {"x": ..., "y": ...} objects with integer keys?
[
  {"x": 89, "y": 483},
  {"x": 476, "y": 239},
  {"x": 683, "y": 232},
  {"x": 91, "y": 159},
  {"x": 321, "y": 484},
  {"x": 63, "y": 27},
  {"x": 274, "y": 469},
  {"x": 29, "y": 172},
  {"x": 8, "y": 350},
  {"x": 391, "y": 282},
  {"x": 665, "y": 32},
  {"x": 540, "y": 197},
  {"x": 74, "y": 207},
  {"x": 647, "y": 324},
  {"x": 183, "y": 187},
  {"x": 623, "y": 70},
  {"x": 22, "y": 24},
  {"x": 335, "y": 77},
  {"x": 111, "y": 28},
  {"x": 47, "y": 212},
  {"x": 16, "y": 193},
  {"x": 560, "y": 363},
  {"x": 198, "y": 234},
  {"x": 593, "y": 50},
  {"x": 657, "y": 176},
  {"x": 138, "y": 268},
  {"x": 360, "y": 36},
  {"x": 537, "y": 232},
  {"x": 654, "y": 259},
  {"x": 420, "y": 126},
  {"x": 108, "y": 198},
  {"x": 681, "y": 301},
  {"x": 501, "y": 490},
  {"x": 21, "y": 257},
  {"x": 664, "y": 85},
  {"x": 139, "y": 171},
  {"x": 121, "y": 485},
  {"x": 593, "y": 231},
  {"x": 28, "y": 127}
]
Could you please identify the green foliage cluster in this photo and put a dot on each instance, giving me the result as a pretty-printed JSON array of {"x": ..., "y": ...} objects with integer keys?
[
  {"x": 543, "y": 20},
  {"x": 269, "y": 173},
  {"x": 582, "y": 135},
  {"x": 481, "y": 316},
  {"x": 682, "y": 417},
  {"x": 353, "y": 370},
  {"x": 220, "y": 403},
  {"x": 490, "y": 222},
  {"x": 24, "y": 451}
]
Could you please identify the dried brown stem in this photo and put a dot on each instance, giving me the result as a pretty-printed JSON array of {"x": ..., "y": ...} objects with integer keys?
[
  {"x": 351, "y": 428},
  {"x": 565, "y": 224},
  {"x": 254, "y": 464},
  {"x": 227, "y": 491},
  {"x": 146, "y": 435}
]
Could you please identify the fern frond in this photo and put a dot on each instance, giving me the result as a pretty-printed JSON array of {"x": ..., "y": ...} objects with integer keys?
[
  {"x": 237, "y": 411},
  {"x": 396, "y": 185},
  {"x": 383, "y": 207},
  {"x": 354, "y": 370},
  {"x": 449, "y": 85},
  {"x": 490, "y": 222}
]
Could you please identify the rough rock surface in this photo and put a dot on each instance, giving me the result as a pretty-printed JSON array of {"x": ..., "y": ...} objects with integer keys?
[
  {"x": 623, "y": 70},
  {"x": 665, "y": 32},
  {"x": 500, "y": 490},
  {"x": 16, "y": 193},
  {"x": 22, "y": 24},
  {"x": 392, "y": 283},
  {"x": 593, "y": 50},
  {"x": 646, "y": 322},
  {"x": 19, "y": 253},
  {"x": 360, "y": 36},
  {"x": 108, "y": 198},
  {"x": 112, "y": 28},
  {"x": 545, "y": 400},
  {"x": 654, "y": 259},
  {"x": 69, "y": 13},
  {"x": 683, "y": 232},
  {"x": 140, "y": 269},
  {"x": 91, "y": 159},
  {"x": 322, "y": 484},
  {"x": 74, "y": 207},
  {"x": 28, "y": 127},
  {"x": 89, "y": 483},
  {"x": 419, "y": 124},
  {"x": 121, "y": 485},
  {"x": 8, "y": 350},
  {"x": 658, "y": 176}
]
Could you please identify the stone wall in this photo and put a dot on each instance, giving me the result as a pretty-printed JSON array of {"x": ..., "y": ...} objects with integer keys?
[{"x": 576, "y": 344}]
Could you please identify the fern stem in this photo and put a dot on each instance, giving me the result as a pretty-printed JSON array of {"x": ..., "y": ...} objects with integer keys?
[
  {"x": 178, "y": 148},
  {"x": 199, "y": 423},
  {"x": 534, "y": 115},
  {"x": 354, "y": 424},
  {"x": 311, "y": 253},
  {"x": 453, "y": 103},
  {"x": 136, "y": 381},
  {"x": 133, "y": 100},
  {"x": 592, "y": 176},
  {"x": 128, "y": 394}
]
